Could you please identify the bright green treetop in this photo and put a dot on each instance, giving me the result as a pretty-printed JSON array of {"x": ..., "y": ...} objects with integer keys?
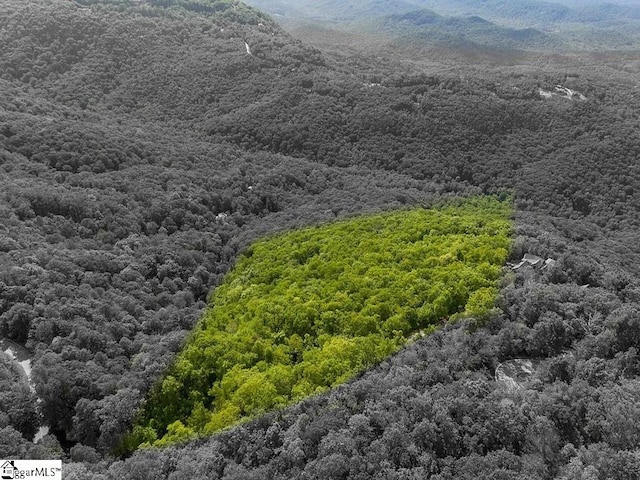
[{"x": 304, "y": 311}]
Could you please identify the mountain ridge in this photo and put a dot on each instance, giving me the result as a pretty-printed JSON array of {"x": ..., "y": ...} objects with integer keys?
[
  {"x": 142, "y": 150},
  {"x": 571, "y": 28}
]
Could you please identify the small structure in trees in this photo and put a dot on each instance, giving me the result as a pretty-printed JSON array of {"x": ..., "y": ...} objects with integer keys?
[
  {"x": 534, "y": 261},
  {"x": 514, "y": 373}
]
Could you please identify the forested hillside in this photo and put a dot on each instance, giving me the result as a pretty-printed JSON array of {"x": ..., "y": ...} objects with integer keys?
[
  {"x": 143, "y": 148},
  {"x": 306, "y": 311}
]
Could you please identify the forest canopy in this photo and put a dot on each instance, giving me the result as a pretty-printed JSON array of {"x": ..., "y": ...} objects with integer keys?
[
  {"x": 231, "y": 10},
  {"x": 142, "y": 149},
  {"x": 304, "y": 311}
]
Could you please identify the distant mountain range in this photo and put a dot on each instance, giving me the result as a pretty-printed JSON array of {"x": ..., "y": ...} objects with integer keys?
[
  {"x": 517, "y": 24},
  {"x": 426, "y": 26}
]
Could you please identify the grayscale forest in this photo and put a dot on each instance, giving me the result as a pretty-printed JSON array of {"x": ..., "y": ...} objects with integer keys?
[{"x": 145, "y": 146}]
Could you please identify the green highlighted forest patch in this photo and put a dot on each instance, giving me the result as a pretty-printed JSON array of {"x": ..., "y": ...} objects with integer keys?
[{"x": 304, "y": 311}]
